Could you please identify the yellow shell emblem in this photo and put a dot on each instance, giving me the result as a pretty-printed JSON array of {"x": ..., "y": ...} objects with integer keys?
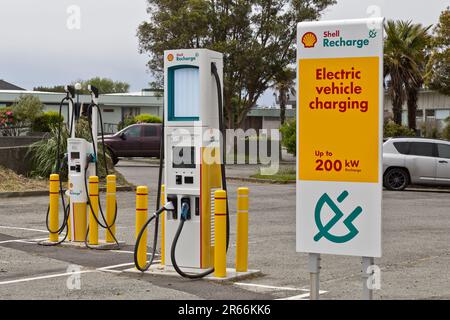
[{"x": 309, "y": 39}]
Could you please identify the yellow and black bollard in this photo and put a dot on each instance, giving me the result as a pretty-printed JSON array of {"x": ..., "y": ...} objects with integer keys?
[
  {"x": 93, "y": 199},
  {"x": 163, "y": 225},
  {"x": 242, "y": 231},
  {"x": 54, "y": 210},
  {"x": 220, "y": 241},
  {"x": 110, "y": 207},
  {"x": 141, "y": 219}
]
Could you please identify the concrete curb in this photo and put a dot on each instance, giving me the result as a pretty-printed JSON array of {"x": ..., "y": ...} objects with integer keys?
[
  {"x": 38, "y": 193},
  {"x": 257, "y": 180}
]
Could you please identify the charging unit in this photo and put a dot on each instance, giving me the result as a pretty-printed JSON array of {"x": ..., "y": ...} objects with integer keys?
[
  {"x": 81, "y": 165},
  {"x": 192, "y": 148}
]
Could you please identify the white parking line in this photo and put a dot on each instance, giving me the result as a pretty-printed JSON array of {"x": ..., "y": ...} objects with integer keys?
[
  {"x": 268, "y": 287},
  {"x": 126, "y": 251},
  {"x": 303, "y": 296},
  {"x": 46, "y": 277},
  {"x": 25, "y": 229}
]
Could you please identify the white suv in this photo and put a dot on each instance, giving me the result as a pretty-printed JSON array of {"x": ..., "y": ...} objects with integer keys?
[{"x": 415, "y": 161}]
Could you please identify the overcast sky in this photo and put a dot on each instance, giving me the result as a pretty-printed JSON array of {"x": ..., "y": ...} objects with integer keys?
[{"x": 37, "y": 47}]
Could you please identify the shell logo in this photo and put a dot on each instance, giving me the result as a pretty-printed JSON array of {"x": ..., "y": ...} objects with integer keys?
[
  {"x": 309, "y": 40},
  {"x": 170, "y": 57}
]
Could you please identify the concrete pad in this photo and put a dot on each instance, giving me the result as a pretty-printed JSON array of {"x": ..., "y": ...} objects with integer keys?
[{"x": 160, "y": 270}]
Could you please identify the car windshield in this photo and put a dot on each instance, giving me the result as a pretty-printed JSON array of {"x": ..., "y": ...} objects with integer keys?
[{"x": 133, "y": 131}]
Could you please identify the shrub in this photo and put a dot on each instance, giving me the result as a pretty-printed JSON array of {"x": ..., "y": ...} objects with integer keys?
[
  {"x": 43, "y": 153},
  {"x": 27, "y": 109},
  {"x": 46, "y": 121},
  {"x": 391, "y": 129},
  {"x": 446, "y": 130},
  {"x": 142, "y": 118},
  {"x": 147, "y": 118},
  {"x": 8, "y": 122},
  {"x": 289, "y": 136}
]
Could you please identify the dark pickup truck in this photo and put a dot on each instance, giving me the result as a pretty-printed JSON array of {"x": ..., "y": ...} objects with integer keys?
[{"x": 137, "y": 140}]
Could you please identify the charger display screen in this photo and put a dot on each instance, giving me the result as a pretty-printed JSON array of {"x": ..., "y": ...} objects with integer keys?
[
  {"x": 74, "y": 155},
  {"x": 183, "y": 157}
]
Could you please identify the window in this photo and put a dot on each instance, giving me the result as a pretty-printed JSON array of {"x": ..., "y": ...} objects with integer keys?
[
  {"x": 150, "y": 131},
  {"x": 424, "y": 149},
  {"x": 402, "y": 147},
  {"x": 429, "y": 113},
  {"x": 133, "y": 132},
  {"x": 443, "y": 150},
  {"x": 130, "y": 112},
  {"x": 419, "y": 113}
]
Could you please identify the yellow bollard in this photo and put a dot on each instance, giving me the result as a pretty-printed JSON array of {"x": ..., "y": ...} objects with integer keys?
[
  {"x": 93, "y": 198},
  {"x": 110, "y": 207},
  {"x": 141, "y": 218},
  {"x": 242, "y": 231},
  {"x": 163, "y": 226},
  {"x": 220, "y": 241},
  {"x": 54, "y": 210}
]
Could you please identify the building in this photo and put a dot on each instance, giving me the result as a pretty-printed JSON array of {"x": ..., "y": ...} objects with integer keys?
[
  {"x": 433, "y": 108},
  {"x": 9, "y": 86},
  {"x": 115, "y": 107}
]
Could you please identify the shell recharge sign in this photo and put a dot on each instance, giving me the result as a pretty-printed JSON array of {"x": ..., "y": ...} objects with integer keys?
[{"x": 339, "y": 136}]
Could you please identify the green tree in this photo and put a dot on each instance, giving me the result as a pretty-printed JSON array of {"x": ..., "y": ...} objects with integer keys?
[
  {"x": 284, "y": 85},
  {"x": 404, "y": 59},
  {"x": 256, "y": 37},
  {"x": 49, "y": 89},
  {"x": 27, "y": 109},
  {"x": 439, "y": 64},
  {"x": 289, "y": 136},
  {"x": 104, "y": 85}
]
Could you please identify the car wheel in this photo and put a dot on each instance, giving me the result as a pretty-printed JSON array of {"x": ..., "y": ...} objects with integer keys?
[
  {"x": 114, "y": 158},
  {"x": 396, "y": 179}
]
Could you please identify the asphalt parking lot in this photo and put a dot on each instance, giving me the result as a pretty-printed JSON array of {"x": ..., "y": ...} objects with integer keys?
[{"x": 416, "y": 252}]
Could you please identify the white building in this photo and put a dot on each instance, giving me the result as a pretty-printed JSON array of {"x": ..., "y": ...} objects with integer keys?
[{"x": 115, "y": 107}]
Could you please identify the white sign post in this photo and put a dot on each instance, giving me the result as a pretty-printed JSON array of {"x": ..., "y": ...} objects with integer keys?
[{"x": 339, "y": 137}]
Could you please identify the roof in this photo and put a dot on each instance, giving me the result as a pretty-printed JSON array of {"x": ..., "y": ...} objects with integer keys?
[{"x": 8, "y": 86}]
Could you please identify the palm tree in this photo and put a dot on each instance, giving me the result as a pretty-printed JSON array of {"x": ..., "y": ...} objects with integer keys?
[
  {"x": 404, "y": 64},
  {"x": 284, "y": 85}
]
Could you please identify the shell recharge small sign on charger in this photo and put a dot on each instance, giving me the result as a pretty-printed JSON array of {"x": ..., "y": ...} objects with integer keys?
[{"x": 339, "y": 136}]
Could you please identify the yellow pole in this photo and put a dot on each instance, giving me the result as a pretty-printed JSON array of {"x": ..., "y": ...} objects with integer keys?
[
  {"x": 141, "y": 218},
  {"x": 163, "y": 226},
  {"x": 242, "y": 231},
  {"x": 69, "y": 232},
  {"x": 93, "y": 196},
  {"x": 110, "y": 207},
  {"x": 53, "y": 213},
  {"x": 220, "y": 241}
]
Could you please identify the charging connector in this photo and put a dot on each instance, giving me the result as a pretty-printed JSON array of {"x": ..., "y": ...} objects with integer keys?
[{"x": 185, "y": 209}]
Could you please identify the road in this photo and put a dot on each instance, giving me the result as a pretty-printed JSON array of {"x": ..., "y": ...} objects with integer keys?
[{"x": 416, "y": 252}]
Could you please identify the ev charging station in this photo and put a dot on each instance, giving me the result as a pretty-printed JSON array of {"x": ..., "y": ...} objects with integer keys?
[
  {"x": 191, "y": 103},
  {"x": 196, "y": 222},
  {"x": 82, "y": 161},
  {"x": 79, "y": 151}
]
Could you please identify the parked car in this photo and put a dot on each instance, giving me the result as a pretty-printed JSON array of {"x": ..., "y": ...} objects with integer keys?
[
  {"x": 137, "y": 140},
  {"x": 419, "y": 161}
]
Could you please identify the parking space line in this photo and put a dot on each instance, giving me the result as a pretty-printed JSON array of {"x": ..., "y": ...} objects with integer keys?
[
  {"x": 303, "y": 296},
  {"x": 25, "y": 229},
  {"x": 268, "y": 287},
  {"x": 46, "y": 277}
]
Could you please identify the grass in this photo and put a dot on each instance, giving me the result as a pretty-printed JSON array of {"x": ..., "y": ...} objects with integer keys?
[
  {"x": 284, "y": 175},
  {"x": 13, "y": 182}
]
